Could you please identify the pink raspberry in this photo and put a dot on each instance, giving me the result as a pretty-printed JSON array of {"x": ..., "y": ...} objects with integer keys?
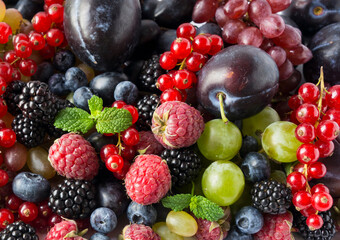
[
  {"x": 139, "y": 232},
  {"x": 149, "y": 143},
  {"x": 148, "y": 179},
  {"x": 74, "y": 157},
  {"x": 276, "y": 227},
  {"x": 177, "y": 125},
  {"x": 66, "y": 230}
]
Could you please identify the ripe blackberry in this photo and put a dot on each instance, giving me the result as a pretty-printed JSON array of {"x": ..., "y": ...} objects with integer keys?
[
  {"x": 326, "y": 232},
  {"x": 11, "y": 96},
  {"x": 37, "y": 102},
  {"x": 149, "y": 74},
  {"x": 29, "y": 132},
  {"x": 271, "y": 197},
  {"x": 73, "y": 199},
  {"x": 184, "y": 165},
  {"x": 18, "y": 230},
  {"x": 146, "y": 106}
]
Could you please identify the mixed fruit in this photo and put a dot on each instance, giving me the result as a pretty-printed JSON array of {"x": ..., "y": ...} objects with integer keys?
[{"x": 169, "y": 119}]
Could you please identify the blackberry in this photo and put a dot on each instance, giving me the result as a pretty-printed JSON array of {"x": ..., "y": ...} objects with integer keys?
[
  {"x": 73, "y": 199},
  {"x": 29, "y": 132},
  {"x": 11, "y": 96},
  {"x": 184, "y": 165},
  {"x": 37, "y": 102},
  {"x": 18, "y": 231},
  {"x": 149, "y": 74},
  {"x": 270, "y": 196},
  {"x": 326, "y": 232},
  {"x": 146, "y": 106}
]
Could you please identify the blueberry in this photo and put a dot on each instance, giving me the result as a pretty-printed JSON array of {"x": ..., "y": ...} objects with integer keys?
[
  {"x": 56, "y": 84},
  {"x": 81, "y": 97},
  {"x": 249, "y": 220},
  {"x": 63, "y": 60},
  {"x": 249, "y": 144},
  {"x": 105, "y": 84},
  {"x": 99, "y": 236},
  {"x": 103, "y": 220},
  {"x": 31, "y": 187},
  {"x": 127, "y": 92},
  {"x": 235, "y": 234},
  {"x": 44, "y": 71},
  {"x": 255, "y": 167},
  {"x": 98, "y": 140},
  {"x": 75, "y": 78},
  {"x": 141, "y": 214}
]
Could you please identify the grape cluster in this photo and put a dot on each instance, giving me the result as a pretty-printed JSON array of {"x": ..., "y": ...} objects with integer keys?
[
  {"x": 192, "y": 52},
  {"x": 316, "y": 112}
]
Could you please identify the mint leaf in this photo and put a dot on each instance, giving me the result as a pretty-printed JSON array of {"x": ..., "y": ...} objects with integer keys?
[
  {"x": 95, "y": 106},
  {"x": 205, "y": 209},
  {"x": 113, "y": 120},
  {"x": 177, "y": 202},
  {"x": 74, "y": 120}
]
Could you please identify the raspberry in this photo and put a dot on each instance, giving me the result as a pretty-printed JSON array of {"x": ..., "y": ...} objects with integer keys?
[
  {"x": 74, "y": 157},
  {"x": 276, "y": 227},
  {"x": 140, "y": 232},
  {"x": 209, "y": 230},
  {"x": 177, "y": 125},
  {"x": 149, "y": 144},
  {"x": 148, "y": 179},
  {"x": 66, "y": 230}
]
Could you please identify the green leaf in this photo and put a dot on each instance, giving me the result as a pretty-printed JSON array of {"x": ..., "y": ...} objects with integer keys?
[
  {"x": 205, "y": 209},
  {"x": 74, "y": 120},
  {"x": 113, "y": 120},
  {"x": 177, "y": 202},
  {"x": 95, "y": 105}
]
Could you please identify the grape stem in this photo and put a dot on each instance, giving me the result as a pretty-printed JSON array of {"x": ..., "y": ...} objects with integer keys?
[{"x": 221, "y": 97}]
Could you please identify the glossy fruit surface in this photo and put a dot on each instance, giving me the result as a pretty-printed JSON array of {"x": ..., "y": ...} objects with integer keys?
[
  {"x": 246, "y": 90},
  {"x": 181, "y": 223},
  {"x": 223, "y": 182}
]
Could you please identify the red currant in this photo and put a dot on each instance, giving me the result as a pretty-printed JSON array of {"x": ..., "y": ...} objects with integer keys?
[
  {"x": 3, "y": 178},
  {"x": 3, "y": 85},
  {"x": 44, "y": 210},
  {"x": 308, "y": 211},
  {"x": 16, "y": 75},
  {"x": 296, "y": 181},
  {"x": 56, "y": 13},
  {"x": 47, "y": 52},
  {"x": 301, "y": 168},
  {"x": 292, "y": 117},
  {"x": 318, "y": 188},
  {"x": 307, "y": 113},
  {"x": 314, "y": 222},
  {"x": 302, "y": 200},
  {"x": 333, "y": 97},
  {"x": 18, "y": 37},
  {"x": 195, "y": 61},
  {"x": 6, "y": 218},
  {"x": 7, "y": 138},
  {"x": 309, "y": 92},
  {"x": 6, "y": 32},
  {"x": 133, "y": 111},
  {"x": 54, "y": 219},
  {"x": 168, "y": 60},
  {"x": 322, "y": 201},
  {"x": 118, "y": 104},
  {"x": 50, "y": 2},
  {"x": 171, "y": 95},
  {"x": 28, "y": 212},
  {"x": 114, "y": 163},
  {"x": 182, "y": 79},
  {"x": 2, "y": 126},
  {"x": 325, "y": 148},
  {"x": 186, "y": 30},
  {"x": 130, "y": 136},
  {"x": 307, "y": 153},
  {"x": 3, "y": 110},
  {"x": 108, "y": 150},
  {"x": 54, "y": 37},
  {"x": 41, "y": 22},
  {"x": 11, "y": 57},
  {"x": 13, "y": 202},
  {"x": 327, "y": 130},
  {"x": 305, "y": 132},
  {"x": 128, "y": 152},
  {"x": 294, "y": 102},
  {"x": 201, "y": 44},
  {"x": 181, "y": 48},
  {"x": 332, "y": 114},
  {"x": 28, "y": 67},
  {"x": 6, "y": 71},
  {"x": 23, "y": 49},
  {"x": 40, "y": 224},
  {"x": 37, "y": 41},
  {"x": 317, "y": 170},
  {"x": 216, "y": 44},
  {"x": 164, "y": 82},
  {"x": 121, "y": 174}
]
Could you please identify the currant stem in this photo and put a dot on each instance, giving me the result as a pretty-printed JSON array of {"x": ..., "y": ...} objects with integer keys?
[
  {"x": 305, "y": 172},
  {"x": 182, "y": 64},
  {"x": 220, "y": 98},
  {"x": 322, "y": 88},
  {"x": 119, "y": 144}
]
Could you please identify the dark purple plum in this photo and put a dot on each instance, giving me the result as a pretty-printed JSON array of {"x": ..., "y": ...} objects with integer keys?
[
  {"x": 104, "y": 33},
  {"x": 149, "y": 31},
  {"x": 165, "y": 40},
  {"x": 211, "y": 28},
  {"x": 325, "y": 46},
  {"x": 29, "y": 8},
  {"x": 312, "y": 15},
  {"x": 246, "y": 76},
  {"x": 168, "y": 13}
]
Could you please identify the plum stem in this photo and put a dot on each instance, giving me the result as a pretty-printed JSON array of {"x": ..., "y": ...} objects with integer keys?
[{"x": 221, "y": 98}]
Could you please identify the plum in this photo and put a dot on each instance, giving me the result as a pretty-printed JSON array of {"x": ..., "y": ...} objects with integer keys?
[
  {"x": 103, "y": 34},
  {"x": 246, "y": 76}
]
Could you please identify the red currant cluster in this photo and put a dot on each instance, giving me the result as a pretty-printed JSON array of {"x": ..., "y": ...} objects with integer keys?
[
  {"x": 117, "y": 158},
  {"x": 190, "y": 53},
  {"x": 317, "y": 113}
]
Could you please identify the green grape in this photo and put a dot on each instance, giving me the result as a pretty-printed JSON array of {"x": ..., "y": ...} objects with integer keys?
[
  {"x": 38, "y": 162},
  {"x": 89, "y": 72},
  {"x": 181, "y": 223},
  {"x": 163, "y": 231},
  {"x": 220, "y": 141},
  {"x": 70, "y": 97},
  {"x": 279, "y": 141},
  {"x": 2, "y": 10},
  {"x": 223, "y": 182},
  {"x": 255, "y": 125},
  {"x": 13, "y": 18}
]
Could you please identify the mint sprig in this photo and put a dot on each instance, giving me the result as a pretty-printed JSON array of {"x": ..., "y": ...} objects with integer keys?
[
  {"x": 107, "y": 120},
  {"x": 200, "y": 206}
]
